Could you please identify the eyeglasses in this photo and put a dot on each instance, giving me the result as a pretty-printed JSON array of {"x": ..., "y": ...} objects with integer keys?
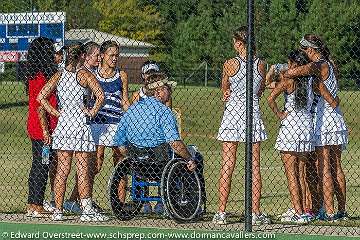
[{"x": 303, "y": 48}]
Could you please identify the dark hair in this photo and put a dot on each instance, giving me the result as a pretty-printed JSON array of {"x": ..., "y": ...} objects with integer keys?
[
  {"x": 89, "y": 47},
  {"x": 108, "y": 44},
  {"x": 319, "y": 43},
  {"x": 74, "y": 53},
  {"x": 240, "y": 34},
  {"x": 301, "y": 83},
  {"x": 40, "y": 59}
]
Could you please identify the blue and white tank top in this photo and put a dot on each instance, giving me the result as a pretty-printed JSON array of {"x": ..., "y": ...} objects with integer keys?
[
  {"x": 112, "y": 109},
  {"x": 238, "y": 81}
]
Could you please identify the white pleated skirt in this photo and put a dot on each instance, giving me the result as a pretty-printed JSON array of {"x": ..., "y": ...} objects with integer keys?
[
  {"x": 330, "y": 128},
  {"x": 72, "y": 133},
  {"x": 233, "y": 124},
  {"x": 296, "y": 133}
]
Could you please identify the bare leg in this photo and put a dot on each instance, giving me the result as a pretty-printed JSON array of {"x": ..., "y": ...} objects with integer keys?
[
  {"x": 100, "y": 152},
  {"x": 75, "y": 192},
  {"x": 62, "y": 173},
  {"x": 52, "y": 173},
  {"x": 257, "y": 184},
  {"x": 82, "y": 165},
  {"x": 227, "y": 169},
  {"x": 312, "y": 179},
  {"x": 118, "y": 156},
  {"x": 326, "y": 179},
  {"x": 302, "y": 158},
  {"x": 291, "y": 169},
  {"x": 340, "y": 181}
]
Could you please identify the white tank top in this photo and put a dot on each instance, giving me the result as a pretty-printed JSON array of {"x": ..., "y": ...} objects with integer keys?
[
  {"x": 332, "y": 86},
  {"x": 70, "y": 93},
  {"x": 238, "y": 81}
]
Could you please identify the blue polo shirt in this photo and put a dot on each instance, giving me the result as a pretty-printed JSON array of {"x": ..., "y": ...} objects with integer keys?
[{"x": 147, "y": 123}]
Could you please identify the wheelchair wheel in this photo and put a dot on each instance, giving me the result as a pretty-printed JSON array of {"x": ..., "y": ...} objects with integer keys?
[
  {"x": 182, "y": 192},
  {"x": 128, "y": 209},
  {"x": 163, "y": 189}
]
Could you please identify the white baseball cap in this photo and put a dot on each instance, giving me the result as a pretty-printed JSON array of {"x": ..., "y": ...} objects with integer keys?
[
  {"x": 58, "y": 46},
  {"x": 150, "y": 66}
]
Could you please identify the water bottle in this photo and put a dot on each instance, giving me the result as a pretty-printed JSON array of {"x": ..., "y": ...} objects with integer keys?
[{"x": 45, "y": 155}]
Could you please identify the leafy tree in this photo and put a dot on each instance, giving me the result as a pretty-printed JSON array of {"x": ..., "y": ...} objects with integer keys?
[
  {"x": 128, "y": 19},
  {"x": 279, "y": 33},
  {"x": 337, "y": 22},
  {"x": 79, "y": 13},
  {"x": 9, "y": 6}
]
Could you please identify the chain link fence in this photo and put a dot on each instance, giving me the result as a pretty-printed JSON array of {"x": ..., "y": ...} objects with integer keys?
[{"x": 93, "y": 128}]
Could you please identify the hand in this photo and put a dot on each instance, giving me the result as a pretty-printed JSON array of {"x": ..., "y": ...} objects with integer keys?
[
  {"x": 57, "y": 113},
  {"x": 337, "y": 99},
  {"x": 282, "y": 115},
  {"x": 47, "y": 138},
  {"x": 191, "y": 165},
  {"x": 226, "y": 95},
  {"x": 88, "y": 112},
  {"x": 272, "y": 85}
]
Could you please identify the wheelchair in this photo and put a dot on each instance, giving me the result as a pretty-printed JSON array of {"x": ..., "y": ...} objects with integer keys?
[{"x": 181, "y": 191}]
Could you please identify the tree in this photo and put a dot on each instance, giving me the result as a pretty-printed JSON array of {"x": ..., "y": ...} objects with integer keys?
[
  {"x": 79, "y": 13},
  {"x": 337, "y": 22},
  {"x": 128, "y": 19},
  {"x": 10, "y": 6}
]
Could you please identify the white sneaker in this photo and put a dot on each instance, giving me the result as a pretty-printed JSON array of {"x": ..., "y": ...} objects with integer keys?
[
  {"x": 286, "y": 217},
  {"x": 219, "y": 218},
  {"x": 93, "y": 216},
  {"x": 57, "y": 215},
  {"x": 300, "y": 219},
  {"x": 259, "y": 219},
  {"x": 48, "y": 206}
]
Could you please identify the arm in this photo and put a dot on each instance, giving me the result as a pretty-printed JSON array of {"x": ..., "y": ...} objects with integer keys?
[
  {"x": 135, "y": 97},
  {"x": 44, "y": 125},
  {"x": 225, "y": 84},
  {"x": 280, "y": 87},
  {"x": 172, "y": 136},
  {"x": 180, "y": 148},
  {"x": 324, "y": 92},
  {"x": 312, "y": 68},
  {"x": 87, "y": 79},
  {"x": 262, "y": 73},
  {"x": 270, "y": 76},
  {"x": 125, "y": 92},
  {"x": 45, "y": 93}
]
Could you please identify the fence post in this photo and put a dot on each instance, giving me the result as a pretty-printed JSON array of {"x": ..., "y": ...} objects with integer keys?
[
  {"x": 206, "y": 74},
  {"x": 249, "y": 116}
]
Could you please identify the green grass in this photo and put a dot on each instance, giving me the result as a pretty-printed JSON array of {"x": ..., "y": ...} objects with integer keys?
[{"x": 201, "y": 112}]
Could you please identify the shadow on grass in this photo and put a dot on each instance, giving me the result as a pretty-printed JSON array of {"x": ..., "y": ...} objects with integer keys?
[{"x": 13, "y": 104}]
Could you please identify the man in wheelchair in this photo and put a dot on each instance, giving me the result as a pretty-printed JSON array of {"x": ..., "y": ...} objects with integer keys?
[{"x": 149, "y": 134}]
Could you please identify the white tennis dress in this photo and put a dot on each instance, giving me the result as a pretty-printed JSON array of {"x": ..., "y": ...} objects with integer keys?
[
  {"x": 330, "y": 127},
  {"x": 296, "y": 132},
  {"x": 233, "y": 124},
  {"x": 72, "y": 132}
]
